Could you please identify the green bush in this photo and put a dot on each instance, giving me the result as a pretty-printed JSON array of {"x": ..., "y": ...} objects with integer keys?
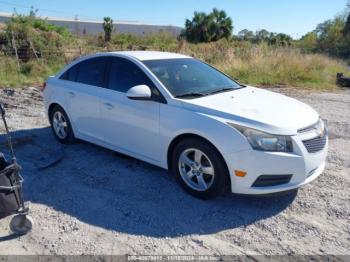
[
  {"x": 40, "y": 24},
  {"x": 158, "y": 41},
  {"x": 34, "y": 35}
]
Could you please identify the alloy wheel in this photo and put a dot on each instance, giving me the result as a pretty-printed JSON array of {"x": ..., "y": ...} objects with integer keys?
[
  {"x": 196, "y": 169},
  {"x": 60, "y": 125}
]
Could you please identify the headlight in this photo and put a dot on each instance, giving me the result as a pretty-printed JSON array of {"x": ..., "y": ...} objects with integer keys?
[{"x": 265, "y": 142}]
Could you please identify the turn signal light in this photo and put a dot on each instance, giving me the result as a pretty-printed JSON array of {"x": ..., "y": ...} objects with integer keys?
[{"x": 240, "y": 173}]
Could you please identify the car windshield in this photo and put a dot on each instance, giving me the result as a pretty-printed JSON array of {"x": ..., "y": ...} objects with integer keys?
[{"x": 190, "y": 78}]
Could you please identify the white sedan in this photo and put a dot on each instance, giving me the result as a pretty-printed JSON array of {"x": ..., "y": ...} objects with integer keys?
[{"x": 181, "y": 114}]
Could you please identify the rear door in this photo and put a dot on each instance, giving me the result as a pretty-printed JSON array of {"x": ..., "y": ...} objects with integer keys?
[
  {"x": 83, "y": 96},
  {"x": 130, "y": 125}
]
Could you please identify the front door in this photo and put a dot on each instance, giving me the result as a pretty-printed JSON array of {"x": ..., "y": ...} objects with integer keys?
[{"x": 130, "y": 125}]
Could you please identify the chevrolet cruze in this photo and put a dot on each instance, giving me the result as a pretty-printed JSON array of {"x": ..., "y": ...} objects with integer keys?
[{"x": 181, "y": 114}]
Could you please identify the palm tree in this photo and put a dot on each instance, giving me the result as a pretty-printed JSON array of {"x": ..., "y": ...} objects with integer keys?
[
  {"x": 197, "y": 29},
  {"x": 220, "y": 24},
  {"x": 207, "y": 28},
  {"x": 108, "y": 28}
]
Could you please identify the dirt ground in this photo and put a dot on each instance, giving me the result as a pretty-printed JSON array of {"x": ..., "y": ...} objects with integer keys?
[{"x": 95, "y": 201}]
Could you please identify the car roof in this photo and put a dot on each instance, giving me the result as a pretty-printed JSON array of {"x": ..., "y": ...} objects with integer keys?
[{"x": 150, "y": 55}]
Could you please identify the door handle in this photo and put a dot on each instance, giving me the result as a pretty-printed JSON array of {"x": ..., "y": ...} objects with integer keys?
[
  {"x": 71, "y": 94},
  {"x": 109, "y": 106}
]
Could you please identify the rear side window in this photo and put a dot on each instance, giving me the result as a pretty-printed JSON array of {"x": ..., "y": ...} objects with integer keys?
[
  {"x": 70, "y": 74},
  {"x": 91, "y": 71},
  {"x": 124, "y": 74}
]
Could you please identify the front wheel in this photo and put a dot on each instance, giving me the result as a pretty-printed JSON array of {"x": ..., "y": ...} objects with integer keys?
[{"x": 199, "y": 168}]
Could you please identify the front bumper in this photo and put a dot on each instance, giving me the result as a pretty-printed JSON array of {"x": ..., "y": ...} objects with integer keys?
[{"x": 302, "y": 165}]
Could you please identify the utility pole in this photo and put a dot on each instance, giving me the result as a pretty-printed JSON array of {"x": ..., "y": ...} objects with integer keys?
[{"x": 76, "y": 24}]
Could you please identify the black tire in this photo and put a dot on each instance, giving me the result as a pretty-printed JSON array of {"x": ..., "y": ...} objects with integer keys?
[
  {"x": 221, "y": 180},
  {"x": 69, "y": 137}
]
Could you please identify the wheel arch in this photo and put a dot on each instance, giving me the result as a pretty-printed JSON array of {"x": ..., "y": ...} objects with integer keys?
[
  {"x": 51, "y": 107},
  {"x": 180, "y": 138}
]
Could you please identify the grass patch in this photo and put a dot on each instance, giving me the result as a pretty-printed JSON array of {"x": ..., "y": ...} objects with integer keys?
[
  {"x": 263, "y": 65},
  {"x": 30, "y": 73}
]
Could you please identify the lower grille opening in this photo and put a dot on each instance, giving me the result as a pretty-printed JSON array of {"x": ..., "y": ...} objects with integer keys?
[{"x": 271, "y": 180}]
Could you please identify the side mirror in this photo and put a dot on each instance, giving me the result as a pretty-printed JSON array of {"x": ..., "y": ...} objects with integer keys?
[{"x": 140, "y": 92}]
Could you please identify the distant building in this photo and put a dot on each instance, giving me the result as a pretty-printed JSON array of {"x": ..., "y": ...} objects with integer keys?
[{"x": 93, "y": 27}]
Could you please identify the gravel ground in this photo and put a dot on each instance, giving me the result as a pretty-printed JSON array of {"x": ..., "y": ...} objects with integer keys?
[{"x": 95, "y": 201}]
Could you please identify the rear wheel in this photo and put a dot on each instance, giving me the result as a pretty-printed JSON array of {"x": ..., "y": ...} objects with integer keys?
[
  {"x": 199, "y": 168},
  {"x": 61, "y": 126}
]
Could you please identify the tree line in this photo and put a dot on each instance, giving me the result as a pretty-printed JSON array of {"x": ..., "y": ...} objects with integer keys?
[
  {"x": 331, "y": 37},
  {"x": 216, "y": 25}
]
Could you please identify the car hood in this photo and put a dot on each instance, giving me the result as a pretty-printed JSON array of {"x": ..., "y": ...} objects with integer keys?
[{"x": 256, "y": 108}]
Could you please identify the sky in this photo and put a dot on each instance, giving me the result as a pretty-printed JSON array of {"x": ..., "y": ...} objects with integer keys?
[{"x": 294, "y": 17}]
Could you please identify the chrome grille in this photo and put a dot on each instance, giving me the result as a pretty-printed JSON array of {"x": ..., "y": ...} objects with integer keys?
[{"x": 316, "y": 144}]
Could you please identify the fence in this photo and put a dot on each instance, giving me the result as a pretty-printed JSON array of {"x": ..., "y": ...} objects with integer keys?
[
  {"x": 24, "y": 51},
  {"x": 24, "y": 55}
]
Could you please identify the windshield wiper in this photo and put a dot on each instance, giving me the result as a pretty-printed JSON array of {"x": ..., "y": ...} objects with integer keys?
[
  {"x": 226, "y": 89},
  {"x": 190, "y": 95}
]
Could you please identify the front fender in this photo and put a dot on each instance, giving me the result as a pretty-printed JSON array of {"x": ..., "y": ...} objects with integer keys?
[{"x": 176, "y": 121}]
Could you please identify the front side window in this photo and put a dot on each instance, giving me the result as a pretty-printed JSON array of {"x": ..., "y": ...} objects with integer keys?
[
  {"x": 91, "y": 71},
  {"x": 124, "y": 74},
  {"x": 187, "y": 77}
]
